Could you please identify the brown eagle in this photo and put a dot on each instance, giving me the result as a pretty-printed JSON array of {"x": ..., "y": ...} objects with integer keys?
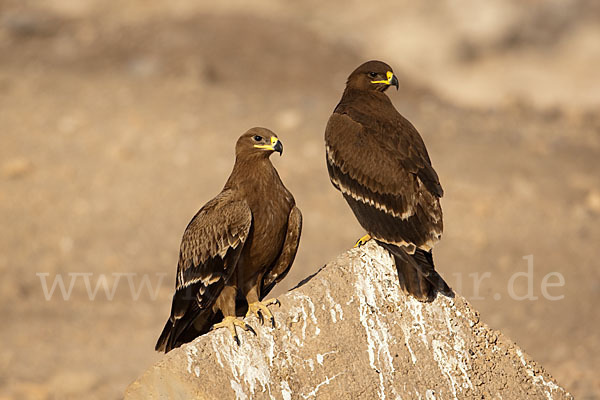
[
  {"x": 379, "y": 162},
  {"x": 239, "y": 245}
]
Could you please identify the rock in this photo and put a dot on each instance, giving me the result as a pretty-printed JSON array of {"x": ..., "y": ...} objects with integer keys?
[{"x": 350, "y": 331}]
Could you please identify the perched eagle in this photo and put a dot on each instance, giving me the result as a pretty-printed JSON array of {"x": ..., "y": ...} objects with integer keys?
[
  {"x": 379, "y": 162},
  {"x": 239, "y": 245}
]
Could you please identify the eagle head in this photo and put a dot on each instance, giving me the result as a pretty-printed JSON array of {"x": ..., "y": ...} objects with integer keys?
[{"x": 372, "y": 75}]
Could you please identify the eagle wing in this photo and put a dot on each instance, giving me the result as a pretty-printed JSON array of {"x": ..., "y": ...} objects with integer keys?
[
  {"x": 384, "y": 172},
  {"x": 211, "y": 246},
  {"x": 209, "y": 253},
  {"x": 286, "y": 257}
]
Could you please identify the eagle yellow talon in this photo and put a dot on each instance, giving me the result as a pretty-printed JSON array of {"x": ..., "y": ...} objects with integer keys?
[
  {"x": 363, "y": 240},
  {"x": 259, "y": 308},
  {"x": 230, "y": 323}
]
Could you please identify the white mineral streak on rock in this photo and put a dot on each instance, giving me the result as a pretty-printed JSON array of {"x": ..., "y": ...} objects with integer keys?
[
  {"x": 295, "y": 318},
  {"x": 450, "y": 353},
  {"x": 217, "y": 353},
  {"x": 313, "y": 393},
  {"x": 286, "y": 392},
  {"x": 407, "y": 335},
  {"x": 321, "y": 356},
  {"x": 340, "y": 311},
  {"x": 440, "y": 355},
  {"x": 551, "y": 386},
  {"x": 430, "y": 394},
  {"x": 289, "y": 345},
  {"x": 415, "y": 307},
  {"x": 308, "y": 301},
  {"x": 333, "y": 315},
  {"x": 335, "y": 309},
  {"x": 238, "y": 390},
  {"x": 191, "y": 351},
  {"x": 304, "y": 302},
  {"x": 376, "y": 267},
  {"x": 247, "y": 365},
  {"x": 459, "y": 348}
]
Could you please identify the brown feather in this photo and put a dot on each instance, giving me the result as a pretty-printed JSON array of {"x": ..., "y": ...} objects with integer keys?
[
  {"x": 366, "y": 167},
  {"x": 281, "y": 267},
  {"x": 232, "y": 242},
  {"x": 223, "y": 224},
  {"x": 379, "y": 162}
]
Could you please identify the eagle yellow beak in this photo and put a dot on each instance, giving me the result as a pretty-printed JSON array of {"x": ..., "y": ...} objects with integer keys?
[
  {"x": 391, "y": 79},
  {"x": 274, "y": 146}
]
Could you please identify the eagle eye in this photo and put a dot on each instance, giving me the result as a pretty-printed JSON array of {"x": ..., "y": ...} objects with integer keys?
[
  {"x": 257, "y": 138},
  {"x": 372, "y": 74}
]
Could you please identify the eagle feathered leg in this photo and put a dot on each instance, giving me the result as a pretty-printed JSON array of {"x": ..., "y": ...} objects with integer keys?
[{"x": 226, "y": 304}]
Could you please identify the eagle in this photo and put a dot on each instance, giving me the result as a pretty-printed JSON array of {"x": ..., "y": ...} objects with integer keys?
[
  {"x": 238, "y": 246},
  {"x": 378, "y": 161}
]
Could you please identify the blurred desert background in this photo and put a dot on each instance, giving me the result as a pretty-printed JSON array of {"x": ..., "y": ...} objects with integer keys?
[{"x": 118, "y": 121}]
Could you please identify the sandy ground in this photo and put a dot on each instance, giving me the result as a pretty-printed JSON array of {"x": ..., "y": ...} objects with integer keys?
[{"x": 118, "y": 120}]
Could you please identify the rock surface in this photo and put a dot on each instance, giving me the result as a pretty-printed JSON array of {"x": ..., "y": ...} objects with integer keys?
[{"x": 350, "y": 331}]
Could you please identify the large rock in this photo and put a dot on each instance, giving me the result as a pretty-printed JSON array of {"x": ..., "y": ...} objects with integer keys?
[{"x": 349, "y": 331}]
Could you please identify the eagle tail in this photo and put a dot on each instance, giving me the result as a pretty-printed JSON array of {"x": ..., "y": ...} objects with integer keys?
[
  {"x": 175, "y": 334},
  {"x": 417, "y": 274},
  {"x": 187, "y": 322},
  {"x": 161, "y": 344}
]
